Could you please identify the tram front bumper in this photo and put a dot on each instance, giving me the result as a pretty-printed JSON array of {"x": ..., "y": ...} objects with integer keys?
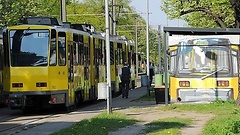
[
  {"x": 15, "y": 101},
  {"x": 210, "y": 94}
]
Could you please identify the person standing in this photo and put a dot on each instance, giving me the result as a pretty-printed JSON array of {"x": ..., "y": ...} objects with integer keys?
[{"x": 125, "y": 74}]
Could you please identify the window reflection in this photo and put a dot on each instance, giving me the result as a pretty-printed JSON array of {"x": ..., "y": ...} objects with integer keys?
[{"x": 29, "y": 47}]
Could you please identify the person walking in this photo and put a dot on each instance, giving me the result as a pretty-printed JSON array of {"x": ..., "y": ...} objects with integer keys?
[
  {"x": 125, "y": 75},
  {"x": 151, "y": 73}
]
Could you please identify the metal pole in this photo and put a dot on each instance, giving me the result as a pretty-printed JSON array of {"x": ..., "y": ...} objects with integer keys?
[
  {"x": 159, "y": 50},
  {"x": 109, "y": 93},
  {"x": 147, "y": 38},
  {"x": 166, "y": 66},
  {"x": 136, "y": 44},
  {"x": 63, "y": 10},
  {"x": 111, "y": 19},
  {"x": 114, "y": 18}
]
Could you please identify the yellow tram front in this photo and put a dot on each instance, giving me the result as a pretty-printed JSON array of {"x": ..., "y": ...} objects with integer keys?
[
  {"x": 35, "y": 71},
  {"x": 203, "y": 69}
]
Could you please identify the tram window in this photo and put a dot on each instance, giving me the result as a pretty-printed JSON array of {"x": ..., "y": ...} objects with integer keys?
[
  {"x": 61, "y": 49},
  {"x": 133, "y": 55},
  {"x": 119, "y": 50},
  {"x": 81, "y": 52},
  {"x": 123, "y": 56},
  {"x": 104, "y": 51},
  {"x": 129, "y": 58},
  {"x": 86, "y": 55},
  {"x": 116, "y": 57},
  {"x": 96, "y": 58},
  {"x": 111, "y": 53},
  {"x": 75, "y": 49},
  {"x": 120, "y": 56},
  {"x": 29, "y": 47},
  {"x": 100, "y": 52},
  {"x": 94, "y": 52},
  {"x": 234, "y": 60},
  {"x": 6, "y": 48},
  {"x": 53, "y": 58},
  {"x": 74, "y": 53},
  {"x": 173, "y": 59}
]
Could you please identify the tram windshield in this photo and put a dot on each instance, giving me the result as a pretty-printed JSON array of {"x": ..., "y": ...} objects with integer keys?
[
  {"x": 203, "y": 59},
  {"x": 29, "y": 47}
]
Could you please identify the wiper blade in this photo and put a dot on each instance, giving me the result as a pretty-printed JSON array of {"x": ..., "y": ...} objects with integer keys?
[
  {"x": 214, "y": 72},
  {"x": 24, "y": 33}
]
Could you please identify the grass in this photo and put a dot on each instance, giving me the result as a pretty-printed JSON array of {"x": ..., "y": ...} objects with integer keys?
[
  {"x": 225, "y": 122},
  {"x": 166, "y": 126},
  {"x": 147, "y": 97},
  {"x": 98, "y": 125}
]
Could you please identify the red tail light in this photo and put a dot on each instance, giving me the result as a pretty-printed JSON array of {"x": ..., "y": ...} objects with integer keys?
[
  {"x": 223, "y": 83},
  {"x": 184, "y": 83},
  {"x": 53, "y": 100}
]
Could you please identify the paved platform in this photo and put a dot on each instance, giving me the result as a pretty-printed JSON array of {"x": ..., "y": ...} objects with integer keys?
[{"x": 61, "y": 121}]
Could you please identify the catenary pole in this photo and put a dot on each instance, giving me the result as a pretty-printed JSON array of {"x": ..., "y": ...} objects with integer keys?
[
  {"x": 147, "y": 51},
  {"x": 109, "y": 93},
  {"x": 166, "y": 34},
  {"x": 114, "y": 17},
  {"x": 63, "y": 11},
  {"x": 136, "y": 44},
  {"x": 159, "y": 50}
]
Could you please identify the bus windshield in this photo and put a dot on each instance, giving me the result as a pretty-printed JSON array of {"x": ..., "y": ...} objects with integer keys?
[
  {"x": 29, "y": 47},
  {"x": 201, "y": 56}
]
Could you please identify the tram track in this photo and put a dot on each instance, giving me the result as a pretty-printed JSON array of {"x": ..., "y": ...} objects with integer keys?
[{"x": 15, "y": 124}]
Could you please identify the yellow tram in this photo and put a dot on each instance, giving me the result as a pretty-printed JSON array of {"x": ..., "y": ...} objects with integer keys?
[
  {"x": 48, "y": 63},
  {"x": 203, "y": 69},
  {"x": 1, "y": 68}
]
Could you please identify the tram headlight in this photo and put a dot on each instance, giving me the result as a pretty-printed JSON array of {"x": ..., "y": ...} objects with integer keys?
[
  {"x": 223, "y": 83},
  {"x": 184, "y": 83}
]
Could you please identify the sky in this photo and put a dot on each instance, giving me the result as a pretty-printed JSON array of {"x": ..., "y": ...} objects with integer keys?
[{"x": 156, "y": 16}]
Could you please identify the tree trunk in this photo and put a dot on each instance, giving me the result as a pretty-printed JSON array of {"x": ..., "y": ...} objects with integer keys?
[
  {"x": 238, "y": 61},
  {"x": 236, "y": 7}
]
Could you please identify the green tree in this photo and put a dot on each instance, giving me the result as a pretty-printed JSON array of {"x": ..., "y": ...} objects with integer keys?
[
  {"x": 91, "y": 11},
  {"x": 205, "y": 13},
  {"x": 12, "y": 11}
]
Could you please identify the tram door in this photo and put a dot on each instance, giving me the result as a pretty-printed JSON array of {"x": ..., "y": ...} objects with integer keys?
[{"x": 70, "y": 74}]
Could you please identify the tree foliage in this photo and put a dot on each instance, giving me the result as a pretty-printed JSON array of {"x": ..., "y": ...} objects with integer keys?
[
  {"x": 86, "y": 11},
  {"x": 204, "y": 13}
]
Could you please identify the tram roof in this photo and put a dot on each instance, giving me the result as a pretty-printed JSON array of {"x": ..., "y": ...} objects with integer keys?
[{"x": 201, "y": 31}]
